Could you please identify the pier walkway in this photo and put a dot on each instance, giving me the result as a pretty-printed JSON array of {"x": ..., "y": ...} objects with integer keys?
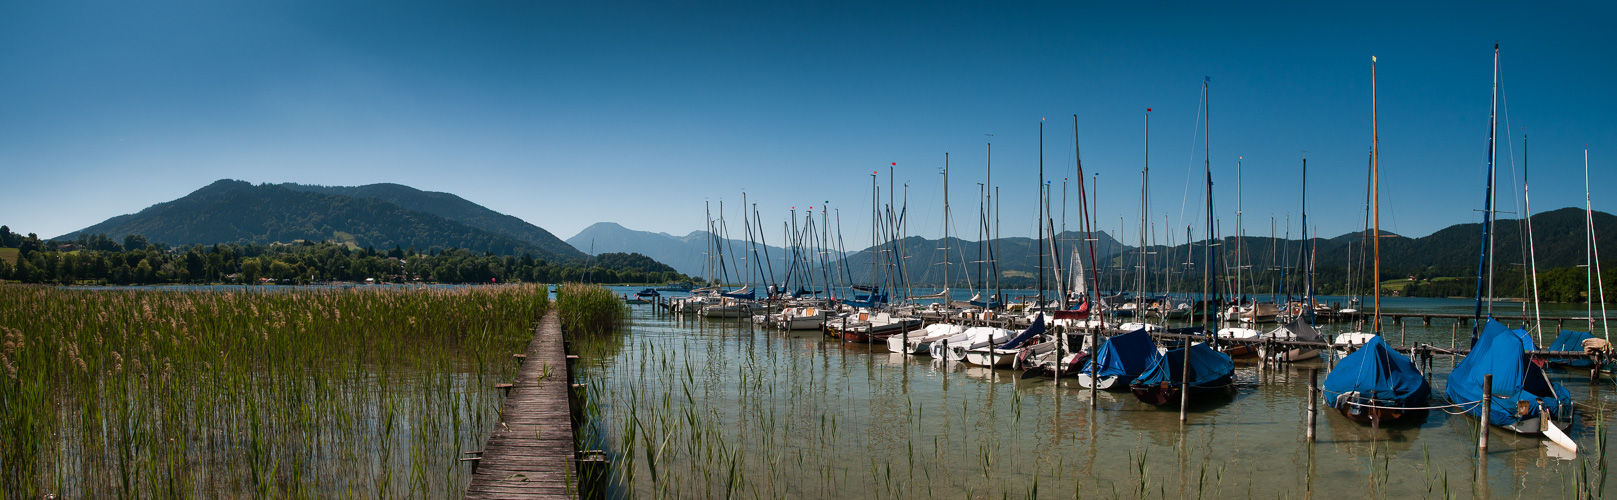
[{"x": 530, "y": 454}]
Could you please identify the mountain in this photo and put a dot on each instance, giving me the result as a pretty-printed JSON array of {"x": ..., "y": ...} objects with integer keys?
[
  {"x": 230, "y": 211},
  {"x": 686, "y": 254},
  {"x": 453, "y": 208},
  {"x": 1017, "y": 259}
]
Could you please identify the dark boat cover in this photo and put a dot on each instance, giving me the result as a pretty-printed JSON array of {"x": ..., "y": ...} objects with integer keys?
[
  {"x": 1300, "y": 330},
  {"x": 1571, "y": 341},
  {"x": 1378, "y": 373},
  {"x": 1502, "y": 352},
  {"x": 648, "y": 293},
  {"x": 1207, "y": 368},
  {"x": 1126, "y": 355},
  {"x": 743, "y": 296},
  {"x": 1034, "y": 330}
]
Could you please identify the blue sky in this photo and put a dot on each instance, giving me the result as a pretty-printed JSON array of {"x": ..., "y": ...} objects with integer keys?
[{"x": 571, "y": 113}]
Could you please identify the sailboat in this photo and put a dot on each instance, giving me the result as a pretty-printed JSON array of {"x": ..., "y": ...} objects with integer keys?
[
  {"x": 1374, "y": 383},
  {"x": 1206, "y": 371},
  {"x": 1524, "y": 399}
]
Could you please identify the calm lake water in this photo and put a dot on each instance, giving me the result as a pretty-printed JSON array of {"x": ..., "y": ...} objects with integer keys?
[{"x": 696, "y": 407}]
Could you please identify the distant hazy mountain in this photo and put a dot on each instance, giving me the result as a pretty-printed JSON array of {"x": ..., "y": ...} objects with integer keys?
[
  {"x": 230, "y": 211},
  {"x": 451, "y": 207},
  {"x": 1016, "y": 259}
]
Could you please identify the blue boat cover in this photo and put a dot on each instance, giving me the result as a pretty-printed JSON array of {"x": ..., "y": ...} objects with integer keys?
[
  {"x": 1126, "y": 355},
  {"x": 1207, "y": 366},
  {"x": 866, "y": 300},
  {"x": 1377, "y": 372},
  {"x": 744, "y": 296},
  {"x": 1502, "y": 352},
  {"x": 1037, "y": 328},
  {"x": 1571, "y": 341}
]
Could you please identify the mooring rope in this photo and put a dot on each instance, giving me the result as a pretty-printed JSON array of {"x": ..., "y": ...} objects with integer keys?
[{"x": 1442, "y": 407}]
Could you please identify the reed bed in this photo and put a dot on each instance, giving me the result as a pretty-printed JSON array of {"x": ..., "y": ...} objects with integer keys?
[
  {"x": 323, "y": 393},
  {"x": 589, "y": 309}
]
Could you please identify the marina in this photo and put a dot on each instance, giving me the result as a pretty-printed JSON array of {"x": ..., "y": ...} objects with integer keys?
[{"x": 800, "y": 413}]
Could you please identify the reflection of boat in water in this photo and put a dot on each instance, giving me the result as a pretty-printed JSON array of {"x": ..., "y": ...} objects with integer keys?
[{"x": 1376, "y": 384}]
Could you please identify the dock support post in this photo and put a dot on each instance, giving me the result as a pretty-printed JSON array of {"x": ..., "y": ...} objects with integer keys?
[
  {"x": 1486, "y": 408},
  {"x": 1313, "y": 401},
  {"x": 1095, "y": 345}
]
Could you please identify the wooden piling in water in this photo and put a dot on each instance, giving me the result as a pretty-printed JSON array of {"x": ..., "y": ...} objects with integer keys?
[
  {"x": 1486, "y": 407},
  {"x": 1313, "y": 401}
]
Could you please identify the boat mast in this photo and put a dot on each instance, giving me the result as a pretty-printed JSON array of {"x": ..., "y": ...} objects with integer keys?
[
  {"x": 1308, "y": 291},
  {"x": 1532, "y": 251},
  {"x": 1593, "y": 255},
  {"x": 1375, "y": 197},
  {"x": 1209, "y": 302},
  {"x": 1240, "y": 234},
  {"x": 1485, "y": 262},
  {"x": 1040, "y": 210},
  {"x": 1145, "y": 190},
  {"x": 946, "y": 230}
]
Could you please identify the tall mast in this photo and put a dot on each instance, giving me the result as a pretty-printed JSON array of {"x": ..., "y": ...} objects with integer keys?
[
  {"x": 1145, "y": 187},
  {"x": 1240, "y": 293},
  {"x": 1594, "y": 254},
  {"x": 1375, "y": 190},
  {"x": 1485, "y": 262},
  {"x": 1040, "y": 211},
  {"x": 946, "y": 229},
  {"x": 1209, "y": 303},
  {"x": 1308, "y": 291},
  {"x": 1532, "y": 251}
]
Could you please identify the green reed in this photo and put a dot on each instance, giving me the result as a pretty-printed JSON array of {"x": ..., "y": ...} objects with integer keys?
[
  {"x": 589, "y": 309},
  {"x": 366, "y": 392}
]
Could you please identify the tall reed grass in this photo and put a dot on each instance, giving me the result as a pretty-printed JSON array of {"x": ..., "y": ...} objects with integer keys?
[
  {"x": 589, "y": 309},
  {"x": 323, "y": 393}
]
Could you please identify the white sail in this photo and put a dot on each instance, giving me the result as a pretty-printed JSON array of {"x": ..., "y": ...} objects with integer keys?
[{"x": 1078, "y": 284}]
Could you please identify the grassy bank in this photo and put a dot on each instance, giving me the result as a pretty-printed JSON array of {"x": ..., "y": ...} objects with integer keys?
[{"x": 339, "y": 393}]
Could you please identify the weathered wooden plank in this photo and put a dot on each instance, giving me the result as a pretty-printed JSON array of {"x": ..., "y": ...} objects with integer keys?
[{"x": 530, "y": 455}]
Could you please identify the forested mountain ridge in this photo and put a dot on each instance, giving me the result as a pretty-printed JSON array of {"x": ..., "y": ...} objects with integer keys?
[
  {"x": 230, "y": 211},
  {"x": 452, "y": 207}
]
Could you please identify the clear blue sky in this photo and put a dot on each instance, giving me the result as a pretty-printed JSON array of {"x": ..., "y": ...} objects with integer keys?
[{"x": 571, "y": 113}]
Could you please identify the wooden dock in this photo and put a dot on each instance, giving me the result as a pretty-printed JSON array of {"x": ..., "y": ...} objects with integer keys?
[{"x": 531, "y": 454}]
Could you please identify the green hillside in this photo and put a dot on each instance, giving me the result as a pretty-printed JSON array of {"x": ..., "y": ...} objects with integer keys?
[{"x": 229, "y": 211}]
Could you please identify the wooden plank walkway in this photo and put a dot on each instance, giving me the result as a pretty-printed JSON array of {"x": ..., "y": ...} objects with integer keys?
[{"x": 530, "y": 454}]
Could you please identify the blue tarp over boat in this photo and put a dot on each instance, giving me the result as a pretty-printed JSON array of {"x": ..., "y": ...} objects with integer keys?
[
  {"x": 1379, "y": 374},
  {"x": 743, "y": 296},
  {"x": 1126, "y": 355},
  {"x": 1036, "y": 329},
  {"x": 1208, "y": 368},
  {"x": 1570, "y": 341},
  {"x": 1502, "y": 352}
]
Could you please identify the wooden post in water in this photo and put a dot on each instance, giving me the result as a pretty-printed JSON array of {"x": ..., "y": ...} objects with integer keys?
[
  {"x": 1095, "y": 338},
  {"x": 1313, "y": 401},
  {"x": 1486, "y": 407},
  {"x": 1184, "y": 382}
]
